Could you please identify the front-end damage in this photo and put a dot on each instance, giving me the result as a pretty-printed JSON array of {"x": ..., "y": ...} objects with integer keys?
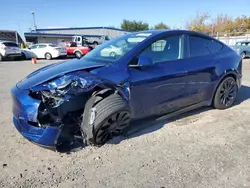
[{"x": 62, "y": 102}]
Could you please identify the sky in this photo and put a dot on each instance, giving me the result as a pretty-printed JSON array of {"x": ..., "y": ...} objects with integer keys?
[{"x": 16, "y": 14}]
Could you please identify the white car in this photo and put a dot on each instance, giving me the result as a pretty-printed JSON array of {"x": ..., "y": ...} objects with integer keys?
[
  {"x": 47, "y": 51},
  {"x": 9, "y": 50},
  {"x": 111, "y": 51}
]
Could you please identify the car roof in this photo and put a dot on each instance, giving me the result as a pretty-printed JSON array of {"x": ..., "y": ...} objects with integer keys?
[
  {"x": 42, "y": 44},
  {"x": 174, "y": 31}
]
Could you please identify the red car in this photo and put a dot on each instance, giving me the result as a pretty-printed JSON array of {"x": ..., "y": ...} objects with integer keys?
[{"x": 78, "y": 51}]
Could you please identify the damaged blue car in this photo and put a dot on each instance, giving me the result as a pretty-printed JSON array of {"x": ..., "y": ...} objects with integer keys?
[{"x": 137, "y": 75}]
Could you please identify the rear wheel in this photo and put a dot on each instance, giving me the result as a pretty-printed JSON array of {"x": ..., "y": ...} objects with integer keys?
[
  {"x": 78, "y": 54},
  {"x": 243, "y": 55},
  {"x": 226, "y": 93},
  {"x": 112, "y": 54},
  {"x": 48, "y": 56},
  {"x": 23, "y": 57},
  {"x": 1, "y": 57},
  {"x": 106, "y": 119}
]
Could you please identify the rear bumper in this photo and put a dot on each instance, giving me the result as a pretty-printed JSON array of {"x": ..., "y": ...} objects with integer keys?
[
  {"x": 59, "y": 54},
  {"x": 24, "y": 110},
  {"x": 12, "y": 55}
]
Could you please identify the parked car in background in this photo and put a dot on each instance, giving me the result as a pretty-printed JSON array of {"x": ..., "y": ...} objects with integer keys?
[
  {"x": 158, "y": 73},
  {"x": 111, "y": 51},
  {"x": 242, "y": 48},
  {"x": 47, "y": 51},
  {"x": 94, "y": 40},
  {"x": 9, "y": 50},
  {"x": 73, "y": 49}
]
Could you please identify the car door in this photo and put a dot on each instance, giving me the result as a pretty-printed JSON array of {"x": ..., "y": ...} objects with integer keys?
[
  {"x": 33, "y": 50},
  {"x": 159, "y": 88},
  {"x": 201, "y": 68},
  {"x": 42, "y": 50}
]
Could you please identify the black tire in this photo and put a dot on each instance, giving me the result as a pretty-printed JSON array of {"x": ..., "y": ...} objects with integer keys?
[
  {"x": 112, "y": 54},
  {"x": 226, "y": 93},
  {"x": 112, "y": 116},
  {"x": 48, "y": 56},
  {"x": 95, "y": 43},
  {"x": 64, "y": 57},
  {"x": 243, "y": 55},
  {"x": 23, "y": 57},
  {"x": 1, "y": 57},
  {"x": 78, "y": 54}
]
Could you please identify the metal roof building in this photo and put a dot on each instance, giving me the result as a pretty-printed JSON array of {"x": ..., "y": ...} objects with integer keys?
[
  {"x": 55, "y": 35},
  {"x": 8, "y": 35}
]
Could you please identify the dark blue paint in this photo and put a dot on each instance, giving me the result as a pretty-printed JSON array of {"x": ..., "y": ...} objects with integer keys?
[{"x": 162, "y": 88}]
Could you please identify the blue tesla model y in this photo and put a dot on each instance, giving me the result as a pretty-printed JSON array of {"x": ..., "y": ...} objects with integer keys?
[{"x": 137, "y": 75}]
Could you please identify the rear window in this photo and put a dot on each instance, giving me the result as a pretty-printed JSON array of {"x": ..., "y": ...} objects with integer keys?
[
  {"x": 53, "y": 45},
  {"x": 201, "y": 46},
  {"x": 10, "y": 44}
]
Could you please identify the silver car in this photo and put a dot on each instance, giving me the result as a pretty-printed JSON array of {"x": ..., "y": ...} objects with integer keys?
[
  {"x": 9, "y": 50},
  {"x": 242, "y": 48}
]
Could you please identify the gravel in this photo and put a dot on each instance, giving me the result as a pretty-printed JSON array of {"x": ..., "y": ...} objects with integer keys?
[{"x": 202, "y": 148}]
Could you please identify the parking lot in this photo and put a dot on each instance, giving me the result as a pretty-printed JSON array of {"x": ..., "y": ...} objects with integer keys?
[{"x": 203, "y": 148}]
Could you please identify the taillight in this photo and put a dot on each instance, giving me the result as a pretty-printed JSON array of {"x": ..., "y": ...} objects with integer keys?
[{"x": 4, "y": 47}]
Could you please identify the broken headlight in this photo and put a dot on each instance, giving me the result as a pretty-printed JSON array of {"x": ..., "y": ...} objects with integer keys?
[
  {"x": 62, "y": 89},
  {"x": 68, "y": 81}
]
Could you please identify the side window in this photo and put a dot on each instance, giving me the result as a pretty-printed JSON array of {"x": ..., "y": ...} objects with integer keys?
[
  {"x": 201, "y": 46},
  {"x": 167, "y": 49},
  {"x": 158, "y": 45},
  {"x": 33, "y": 47},
  {"x": 73, "y": 44},
  {"x": 42, "y": 46},
  {"x": 214, "y": 46}
]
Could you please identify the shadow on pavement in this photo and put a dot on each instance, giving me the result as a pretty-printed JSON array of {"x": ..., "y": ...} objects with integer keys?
[
  {"x": 149, "y": 125},
  {"x": 141, "y": 127},
  {"x": 243, "y": 95}
]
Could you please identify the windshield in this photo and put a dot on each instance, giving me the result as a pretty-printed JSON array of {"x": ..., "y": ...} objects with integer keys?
[
  {"x": 10, "y": 44},
  {"x": 115, "y": 49}
]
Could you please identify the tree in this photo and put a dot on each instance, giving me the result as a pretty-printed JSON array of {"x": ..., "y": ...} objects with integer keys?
[
  {"x": 223, "y": 23},
  {"x": 200, "y": 23},
  {"x": 242, "y": 24},
  {"x": 134, "y": 25},
  {"x": 161, "y": 25}
]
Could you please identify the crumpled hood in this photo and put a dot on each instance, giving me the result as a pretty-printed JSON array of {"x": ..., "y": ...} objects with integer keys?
[{"x": 55, "y": 70}]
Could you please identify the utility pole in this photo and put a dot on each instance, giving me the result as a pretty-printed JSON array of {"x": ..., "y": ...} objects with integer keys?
[{"x": 34, "y": 20}]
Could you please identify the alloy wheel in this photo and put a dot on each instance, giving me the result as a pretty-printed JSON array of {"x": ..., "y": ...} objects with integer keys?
[
  {"x": 228, "y": 92},
  {"x": 113, "y": 125}
]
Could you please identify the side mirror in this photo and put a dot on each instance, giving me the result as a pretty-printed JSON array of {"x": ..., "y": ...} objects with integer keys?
[{"x": 144, "y": 61}]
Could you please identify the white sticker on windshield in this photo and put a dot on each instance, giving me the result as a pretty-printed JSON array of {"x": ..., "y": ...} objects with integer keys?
[
  {"x": 144, "y": 34},
  {"x": 136, "y": 39}
]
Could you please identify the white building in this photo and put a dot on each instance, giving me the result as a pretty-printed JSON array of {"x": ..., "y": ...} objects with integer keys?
[{"x": 55, "y": 35}]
